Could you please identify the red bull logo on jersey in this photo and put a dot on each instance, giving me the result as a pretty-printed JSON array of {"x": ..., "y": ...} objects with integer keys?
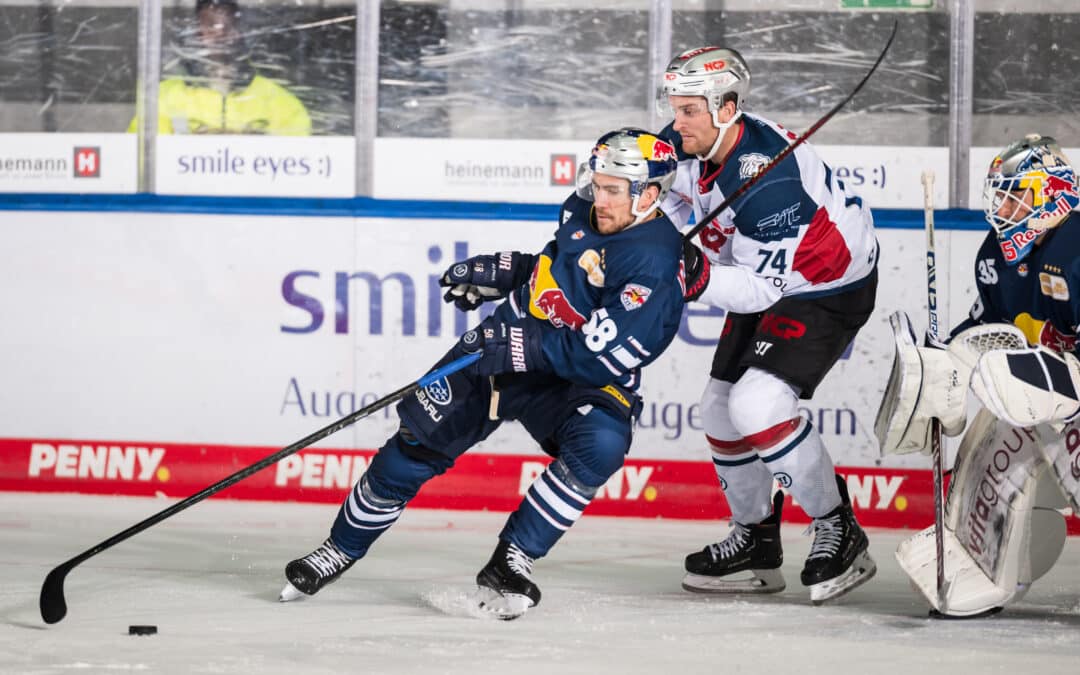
[
  {"x": 548, "y": 301},
  {"x": 634, "y": 296}
]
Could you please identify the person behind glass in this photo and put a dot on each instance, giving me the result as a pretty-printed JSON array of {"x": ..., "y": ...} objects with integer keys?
[
  {"x": 562, "y": 355},
  {"x": 794, "y": 265},
  {"x": 221, "y": 91}
]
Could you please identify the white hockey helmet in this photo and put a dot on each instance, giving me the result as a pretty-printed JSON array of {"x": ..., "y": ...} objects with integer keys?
[
  {"x": 714, "y": 73},
  {"x": 1035, "y": 183},
  {"x": 633, "y": 154}
]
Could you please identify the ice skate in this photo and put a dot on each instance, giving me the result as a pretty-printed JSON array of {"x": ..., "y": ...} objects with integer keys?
[
  {"x": 747, "y": 561},
  {"x": 839, "y": 560},
  {"x": 505, "y": 584},
  {"x": 309, "y": 574}
]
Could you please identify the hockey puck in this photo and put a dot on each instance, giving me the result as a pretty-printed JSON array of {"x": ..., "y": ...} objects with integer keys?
[{"x": 142, "y": 630}]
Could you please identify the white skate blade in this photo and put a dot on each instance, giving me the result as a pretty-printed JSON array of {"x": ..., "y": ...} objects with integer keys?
[
  {"x": 290, "y": 593},
  {"x": 752, "y": 581},
  {"x": 862, "y": 569},
  {"x": 506, "y": 607}
]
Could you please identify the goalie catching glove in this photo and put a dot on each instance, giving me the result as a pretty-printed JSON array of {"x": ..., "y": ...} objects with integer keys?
[
  {"x": 506, "y": 347},
  {"x": 476, "y": 280}
]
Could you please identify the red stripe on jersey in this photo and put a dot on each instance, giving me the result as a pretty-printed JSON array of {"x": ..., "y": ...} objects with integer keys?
[{"x": 823, "y": 255}]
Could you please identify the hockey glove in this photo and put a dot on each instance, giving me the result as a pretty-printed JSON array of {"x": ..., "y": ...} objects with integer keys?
[
  {"x": 506, "y": 347},
  {"x": 697, "y": 268},
  {"x": 481, "y": 278}
]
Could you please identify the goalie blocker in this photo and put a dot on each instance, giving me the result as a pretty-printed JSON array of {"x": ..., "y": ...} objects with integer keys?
[{"x": 1003, "y": 528}]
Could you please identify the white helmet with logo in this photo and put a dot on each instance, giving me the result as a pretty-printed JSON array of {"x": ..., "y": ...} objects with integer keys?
[
  {"x": 715, "y": 73},
  {"x": 633, "y": 154}
]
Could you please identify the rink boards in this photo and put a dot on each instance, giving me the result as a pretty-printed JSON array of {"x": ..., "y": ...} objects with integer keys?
[{"x": 150, "y": 353}]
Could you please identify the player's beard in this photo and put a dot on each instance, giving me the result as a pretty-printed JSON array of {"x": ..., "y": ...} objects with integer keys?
[{"x": 607, "y": 222}]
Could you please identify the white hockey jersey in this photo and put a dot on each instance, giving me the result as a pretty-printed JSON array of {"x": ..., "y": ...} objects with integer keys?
[{"x": 797, "y": 231}]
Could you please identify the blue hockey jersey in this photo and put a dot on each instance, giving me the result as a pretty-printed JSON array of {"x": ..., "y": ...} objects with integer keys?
[
  {"x": 1040, "y": 295},
  {"x": 610, "y": 304}
]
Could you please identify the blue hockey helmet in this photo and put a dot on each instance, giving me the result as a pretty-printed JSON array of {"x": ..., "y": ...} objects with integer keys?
[{"x": 1031, "y": 187}]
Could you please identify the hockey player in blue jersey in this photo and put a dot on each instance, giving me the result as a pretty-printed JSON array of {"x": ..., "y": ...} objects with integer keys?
[
  {"x": 1027, "y": 270},
  {"x": 794, "y": 266},
  {"x": 562, "y": 356},
  {"x": 1016, "y": 352}
]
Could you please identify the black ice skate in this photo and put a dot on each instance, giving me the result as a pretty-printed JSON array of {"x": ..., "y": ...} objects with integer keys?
[
  {"x": 505, "y": 584},
  {"x": 309, "y": 574},
  {"x": 747, "y": 561},
  {"x": 838, "y": 560}
]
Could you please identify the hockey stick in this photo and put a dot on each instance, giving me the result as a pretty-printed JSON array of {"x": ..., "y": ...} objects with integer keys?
[
  {"x": 780, "y": 156},
  {"x": 53, "y": 607},
  {"x": 932, "y": 339}
]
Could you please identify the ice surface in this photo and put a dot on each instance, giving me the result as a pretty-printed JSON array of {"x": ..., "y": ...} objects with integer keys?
[{"x": 209, "y": 579}]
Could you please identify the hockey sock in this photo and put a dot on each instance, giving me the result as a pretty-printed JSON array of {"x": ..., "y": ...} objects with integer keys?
[
  {"x": 551, "y": 506},
  {"x": 376, "y": 501},
  {"x": 795, "y": 455},
  {"x": 744, "y": 478},
  {"x": 362, "y": 518}
]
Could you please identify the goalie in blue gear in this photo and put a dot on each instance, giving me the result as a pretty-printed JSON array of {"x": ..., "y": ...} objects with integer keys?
[
  {"x": 562, "y": 355},
  {"x": 1016, "y": 352}
]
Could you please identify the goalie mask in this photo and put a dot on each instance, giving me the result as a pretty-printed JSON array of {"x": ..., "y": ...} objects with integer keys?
[
  {"x": 1030, "y": 188},
  {"x": 635, "y": 155},
  {"x": 719, "y": 75}
]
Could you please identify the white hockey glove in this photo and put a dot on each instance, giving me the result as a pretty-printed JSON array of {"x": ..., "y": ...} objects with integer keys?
[
  {"x": 925, "y": 383},
  {"x": 1028, "y": 386}
]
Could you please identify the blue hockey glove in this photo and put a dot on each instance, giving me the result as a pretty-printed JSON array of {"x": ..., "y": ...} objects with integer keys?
[
  {"x": 485, "y": 277},
  {"x": 506, "y": 347},
  {"x": 697, "y": 268}
]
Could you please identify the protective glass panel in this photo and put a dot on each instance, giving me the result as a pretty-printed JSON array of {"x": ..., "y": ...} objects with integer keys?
[
  {"x": 257, "y": 67},
  {"x": 1025, "y": 71},
  {"x": 807, "y": 55},
  {"x": 518, "y": 70},
  {"x": 67, "y": 66}
]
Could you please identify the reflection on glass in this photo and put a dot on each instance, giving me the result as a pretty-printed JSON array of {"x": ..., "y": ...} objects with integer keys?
[
  {"x": 476, "y": 71},
  {"x": 1025, "y": 74},
  {"x": 69, "y": 66},
  {"x": 804, "y": 60},
  {"x": 232, "y": 67}
]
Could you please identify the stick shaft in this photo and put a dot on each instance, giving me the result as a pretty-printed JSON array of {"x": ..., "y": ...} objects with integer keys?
[
  {"x": 933, "y": 338},
  {"x": 53, "y": 607}
]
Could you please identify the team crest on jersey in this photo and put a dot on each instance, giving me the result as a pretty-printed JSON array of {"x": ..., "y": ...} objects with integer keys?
[
  {"x": 1054, "y": 286},
  {"x": 634, "y": 296},
  {"x": 548, "y": 301},
  {"x": 439, "y": 391},
  {"x": 593, "y": 264},
  {"x": 1022, "y": 269},
  {"x": 751, "y": 163},
  {"x": 580, "y": 234}
]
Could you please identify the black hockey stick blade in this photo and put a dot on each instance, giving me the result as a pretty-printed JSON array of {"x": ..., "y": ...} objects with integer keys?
[
  {"x": 741, "y": 190},
  {"x": 52, "y": 604}
]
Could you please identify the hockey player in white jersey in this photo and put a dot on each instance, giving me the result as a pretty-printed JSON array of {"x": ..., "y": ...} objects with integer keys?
[
  {"x": 794, "y": 265},
  {"x": 1018, "y": 462}
]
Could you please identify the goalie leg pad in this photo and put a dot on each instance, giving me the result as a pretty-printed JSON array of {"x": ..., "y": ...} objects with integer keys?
[
  {"x": 1062, "y": 451},
  {"x": 996, "y": 541}
]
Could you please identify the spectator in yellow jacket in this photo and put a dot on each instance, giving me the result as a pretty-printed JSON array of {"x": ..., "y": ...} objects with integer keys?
[{"x": 222, "y": 93}]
